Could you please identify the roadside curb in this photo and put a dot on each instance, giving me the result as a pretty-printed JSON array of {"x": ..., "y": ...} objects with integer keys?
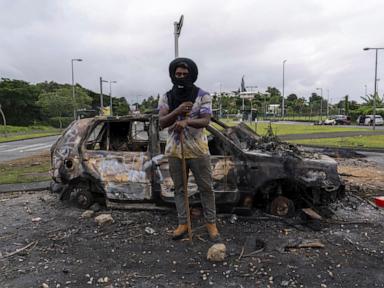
[{"x": 24, "y": 187}]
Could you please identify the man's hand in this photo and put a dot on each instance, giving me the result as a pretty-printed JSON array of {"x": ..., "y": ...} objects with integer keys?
[
  {"x": 180, "y": 125},
  {"x": 184, "y": 107}
]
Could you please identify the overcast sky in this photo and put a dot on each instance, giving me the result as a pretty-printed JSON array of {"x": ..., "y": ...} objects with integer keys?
[{"x": 132, "y": 43}]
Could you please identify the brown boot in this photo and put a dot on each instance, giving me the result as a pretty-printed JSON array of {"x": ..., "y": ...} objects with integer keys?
[
  {"x": 180, "y": 232},
  {"x": 213, "y": 232}
]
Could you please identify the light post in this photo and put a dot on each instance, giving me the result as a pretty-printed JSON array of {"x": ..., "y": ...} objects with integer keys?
[
  {"x": 73, "y": 87},
  {"x": 282, "y": 104},
  {"x": 176, "y": 31},
  {"x": 327, "y": 103},
  {"x": 375, "y": 85},
  {"x": 110, "y": 96},
  {"x": 221, "y": 102},
  {"x": 365, "y": 90},
  {"x": 101, "y": 94},
  {"x": 321, "y": 103}
]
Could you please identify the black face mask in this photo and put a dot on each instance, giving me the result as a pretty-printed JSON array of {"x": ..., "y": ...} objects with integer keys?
[
  {"x": 183, "y": 83},
  {"x": 183, "y": 89}
]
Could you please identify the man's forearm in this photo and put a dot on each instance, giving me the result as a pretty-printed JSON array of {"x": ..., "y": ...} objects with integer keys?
[
  {"x": 168, "y": 119},
  {"x": 199, "y": 122}
]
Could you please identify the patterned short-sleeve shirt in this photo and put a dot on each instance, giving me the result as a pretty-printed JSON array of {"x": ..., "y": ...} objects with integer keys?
[{"x": 195, "y": 140}]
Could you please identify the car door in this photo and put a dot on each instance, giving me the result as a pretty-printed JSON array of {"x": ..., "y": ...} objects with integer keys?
[{"x": 116, "y": 156}]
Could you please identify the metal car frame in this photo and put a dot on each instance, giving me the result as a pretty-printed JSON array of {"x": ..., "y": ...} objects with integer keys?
[{"x": 247, "y": 170}]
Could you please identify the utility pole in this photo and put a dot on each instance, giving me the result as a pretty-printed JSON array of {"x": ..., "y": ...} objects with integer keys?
[
  {"x": 375, "y": 85},
  {"x": 110, "y": 96},
  {"x": 282, "y": 105},
  {"x": 73, "y": 87},
  {"x": 327, "y": 103},
  {"x": 321, "y": 103},
  {"x": 101, "y": 95},
  {"x": 221, "y": 102}
]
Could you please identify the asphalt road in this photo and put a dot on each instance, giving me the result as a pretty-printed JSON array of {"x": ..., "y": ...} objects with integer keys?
[{"x": 25, "y": 148}]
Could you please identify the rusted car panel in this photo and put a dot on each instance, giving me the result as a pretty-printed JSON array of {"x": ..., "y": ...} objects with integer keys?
[
  {"x": 121, "y": 174},
  {"x": 122, "y": 159}
]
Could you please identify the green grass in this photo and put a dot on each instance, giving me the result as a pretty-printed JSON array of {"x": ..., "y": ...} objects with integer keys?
[
  {"x": 25, "y": 170},
  {"x": 286, "y": 129},
  {"x": 26, "y": 136},
  {"x": 22, "y": 129},
  {"x": 14, "y": 133},
  {"x": 376, "y": 141}
]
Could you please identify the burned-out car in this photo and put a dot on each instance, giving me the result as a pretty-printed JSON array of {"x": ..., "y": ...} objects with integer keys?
[{"x": 120, "y": 160}]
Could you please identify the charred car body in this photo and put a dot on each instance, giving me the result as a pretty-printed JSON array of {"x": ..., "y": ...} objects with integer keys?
[{"x": 121, "y": 159}]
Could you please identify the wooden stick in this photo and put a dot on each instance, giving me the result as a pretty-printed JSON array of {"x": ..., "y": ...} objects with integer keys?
[
  {"x": 185, "y": 184},
  {"x": 21, "y": 249}
]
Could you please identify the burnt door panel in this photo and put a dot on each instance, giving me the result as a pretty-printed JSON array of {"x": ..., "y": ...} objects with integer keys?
[{"x": 123, "y": 175}]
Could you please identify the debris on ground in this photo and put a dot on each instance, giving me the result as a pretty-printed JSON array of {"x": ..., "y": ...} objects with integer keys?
[
  {"x": 150, "y": 231},
  {"x": 36, "y": 219},
  {"x": 104, "y": 219},
  {"x": 305, "y": 243},
  {"x": 217, "y": 252},
  {"x": 87, "y": 214},
  {"x": 62, "y": 250}
]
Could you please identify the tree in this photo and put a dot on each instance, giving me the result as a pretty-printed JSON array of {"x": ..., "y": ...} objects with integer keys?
[
  {"x": 291, "y": 98},
  {"x": 369, "y": 99},
  {"x": 120, "y": 106},
  {"x": 18, "y": 99},
  {"x": 275, "y": 95},
  {"x": 346, "y": 105},
  {"x": 60, "y": 103}
]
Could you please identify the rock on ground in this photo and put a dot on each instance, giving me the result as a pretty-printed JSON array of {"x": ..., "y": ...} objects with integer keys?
[
  {"x": 103, "y": 219},
  {"x": 217, "y": 253}
]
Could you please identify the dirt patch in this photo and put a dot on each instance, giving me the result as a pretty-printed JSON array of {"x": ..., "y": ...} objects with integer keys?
[
  {"x": 53, "y": 244},
  {"x": 69, "y": 251},
  {"x": 34, "y": 160},
  {"x": 363, "y": 177}
]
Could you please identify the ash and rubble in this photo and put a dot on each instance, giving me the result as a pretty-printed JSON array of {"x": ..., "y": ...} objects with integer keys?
[
  {"x": 268, "y": 143},
  {"x": 135, "y": 250}
]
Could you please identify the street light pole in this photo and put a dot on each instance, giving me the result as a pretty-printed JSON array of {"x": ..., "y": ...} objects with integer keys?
[
  {"x": 110, "y": 96},
  {"x": 101, "y": 95},
  {"x": 321, "y": 103},
  {"x": 221, "y": 104},
  {"x": 365, "y": 90},
  {"x": 73, "y": 87},
  {"x": 282, "y": 105},
  {"x": 327, "y": 103},
  {"x": 176, "y": 31},
  {"x": 375, "y": 85}
]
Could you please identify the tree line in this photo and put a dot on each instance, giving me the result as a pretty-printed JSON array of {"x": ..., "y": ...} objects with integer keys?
[
  {"x": 50, "y": 103},
  {"x": 316, "y": 105}
]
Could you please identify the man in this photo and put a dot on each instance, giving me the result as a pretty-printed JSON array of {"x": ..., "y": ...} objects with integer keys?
[{"x": 186, "y": 110}]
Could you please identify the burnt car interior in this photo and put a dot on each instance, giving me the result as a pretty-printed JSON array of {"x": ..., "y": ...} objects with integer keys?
[
  {"x": 119, "y": 136},
  {"x": 242, "y": 172}
]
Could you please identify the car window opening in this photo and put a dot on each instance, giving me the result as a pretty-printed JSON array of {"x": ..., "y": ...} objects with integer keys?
[{"x": 119, "y": 136}]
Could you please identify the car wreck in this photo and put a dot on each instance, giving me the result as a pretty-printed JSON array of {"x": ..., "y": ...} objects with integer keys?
[{"x": 121, "y": 160}]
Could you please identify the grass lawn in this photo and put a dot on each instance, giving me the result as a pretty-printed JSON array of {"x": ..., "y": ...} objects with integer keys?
[
  {"x": 286, "y": 129},
  {"x": 14, "y": 133},
  {"x": 30, "y": 169},
  {"x": 362, "y": 142}
]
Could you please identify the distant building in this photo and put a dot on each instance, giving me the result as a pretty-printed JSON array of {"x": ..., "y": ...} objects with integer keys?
[{"x": 273, "y": 110}]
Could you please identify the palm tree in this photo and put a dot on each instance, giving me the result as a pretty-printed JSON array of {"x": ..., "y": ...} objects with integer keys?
[{"x": 369, "y": 99}]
